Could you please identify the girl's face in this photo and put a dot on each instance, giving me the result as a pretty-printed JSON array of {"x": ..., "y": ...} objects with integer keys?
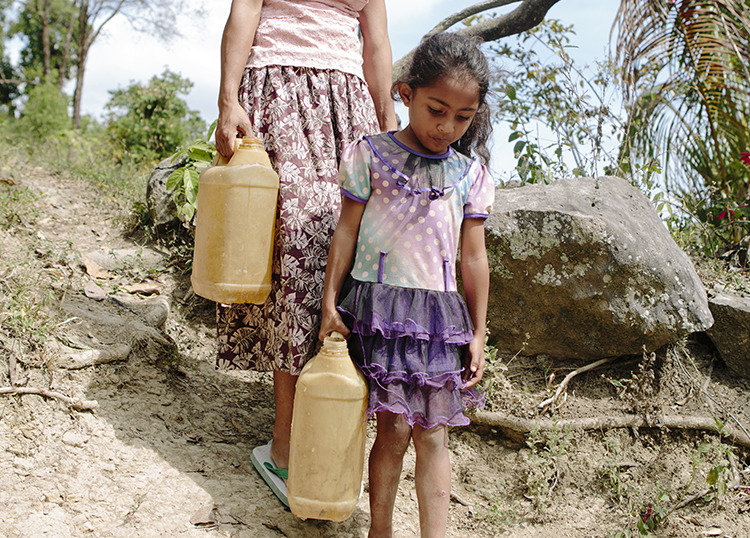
[{"x": 439, "y": 114}]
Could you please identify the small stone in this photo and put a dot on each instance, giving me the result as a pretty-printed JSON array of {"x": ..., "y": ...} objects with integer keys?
[{"x": 72, "y": 438}]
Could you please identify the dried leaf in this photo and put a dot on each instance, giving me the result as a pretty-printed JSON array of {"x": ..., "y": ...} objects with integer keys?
[
  {"x": 205, "y": 516},
  {"x": 95, "y": 270}
]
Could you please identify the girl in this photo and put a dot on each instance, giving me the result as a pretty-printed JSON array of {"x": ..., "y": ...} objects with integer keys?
[{"x": 409, "y": 198}]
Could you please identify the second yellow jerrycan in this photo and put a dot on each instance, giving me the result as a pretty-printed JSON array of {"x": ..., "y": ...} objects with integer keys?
[
  {"x": 235, "y": 226},
  {"x": 329, "y": 426}
]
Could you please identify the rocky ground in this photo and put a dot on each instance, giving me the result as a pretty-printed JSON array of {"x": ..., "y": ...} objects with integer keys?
[{"x": 142, "y": 437}]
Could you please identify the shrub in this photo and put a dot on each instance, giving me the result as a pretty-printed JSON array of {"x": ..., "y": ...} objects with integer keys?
[
  {"x": 45, "y": 113},
  {"x": 151, "y": 122}
]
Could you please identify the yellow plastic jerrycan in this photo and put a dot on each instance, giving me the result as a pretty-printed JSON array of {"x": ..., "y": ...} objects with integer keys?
[
  {"x": 329, "y": 426},
  {"x": 235, "y": 225}
]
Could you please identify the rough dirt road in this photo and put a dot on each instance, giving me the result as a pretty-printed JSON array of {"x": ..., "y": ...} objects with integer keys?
[{"x": 166, "y": 453}]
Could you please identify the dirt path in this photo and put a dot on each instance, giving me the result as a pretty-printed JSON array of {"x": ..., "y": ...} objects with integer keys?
[{"x": 167, "y": 451}]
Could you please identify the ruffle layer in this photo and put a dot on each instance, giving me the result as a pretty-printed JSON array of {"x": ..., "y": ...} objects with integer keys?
[
  {"x": 410, "y": 344},
  {"x": 369, "y": 308},
  {"x": 419, "y": 400}
]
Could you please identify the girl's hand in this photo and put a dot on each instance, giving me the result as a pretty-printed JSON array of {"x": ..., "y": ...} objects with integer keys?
[
  {"x": 474, "y": 369},
  {"x": 332, "y": 322}
]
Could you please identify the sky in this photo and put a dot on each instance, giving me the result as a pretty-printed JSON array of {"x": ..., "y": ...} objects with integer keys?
[{"x": 121, "y": 57}]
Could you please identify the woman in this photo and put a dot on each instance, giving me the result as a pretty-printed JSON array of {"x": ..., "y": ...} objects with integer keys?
[{"x": 294, "y": 74}]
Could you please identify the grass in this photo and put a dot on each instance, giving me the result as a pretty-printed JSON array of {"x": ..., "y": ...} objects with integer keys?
[{"x": 544, "y": 465}]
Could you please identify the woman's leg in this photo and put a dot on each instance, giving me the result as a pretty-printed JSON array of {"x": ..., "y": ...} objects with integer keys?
[
  {"x": 284, "y": 385},
  {"x": 386, "y": 461},
  {"x": 433, "y": 479}
]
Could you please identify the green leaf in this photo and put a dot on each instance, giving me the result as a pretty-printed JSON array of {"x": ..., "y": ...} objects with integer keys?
[
  {"x": 190, "y": 182},
  {"x": 192, "y": 196},
  {"x": 713, "y": 475},
  {"x": 176, "y": 178},
  {"x": 188, "y": 211},
  {"x": 719, "y": 425},
  {"x": 201, "y": 154},
  {"x": 515, "y": 135},
  {"x": 211, "y": 129},
  {"x": 518, "y": 147}
]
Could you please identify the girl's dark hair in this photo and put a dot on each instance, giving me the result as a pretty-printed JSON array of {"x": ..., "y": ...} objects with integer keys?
[{"x": 448, "y": 54}]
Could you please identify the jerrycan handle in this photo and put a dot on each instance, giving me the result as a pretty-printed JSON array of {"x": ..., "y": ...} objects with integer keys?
[{"x": 220, "y": 160}]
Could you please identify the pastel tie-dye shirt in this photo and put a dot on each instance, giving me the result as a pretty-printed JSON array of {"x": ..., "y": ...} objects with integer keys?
[{"x": 415, "y": 205}]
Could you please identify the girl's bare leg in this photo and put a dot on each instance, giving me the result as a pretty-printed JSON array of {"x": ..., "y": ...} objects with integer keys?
[
  {"x": 386, "y": 461},
  {"x": 433, "y": 479},
  {"x": 284, "y": 385}
]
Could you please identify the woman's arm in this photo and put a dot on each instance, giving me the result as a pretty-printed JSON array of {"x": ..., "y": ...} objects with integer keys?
[
  {"x": 376, "y": 54},
  {"x": 340, "y": 258},
  {"x": 236, "y": 42},
  {"x": 475, "y": 273}
]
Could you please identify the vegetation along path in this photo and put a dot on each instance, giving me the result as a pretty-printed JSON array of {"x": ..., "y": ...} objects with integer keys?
[{"x": 114, "y": 422}]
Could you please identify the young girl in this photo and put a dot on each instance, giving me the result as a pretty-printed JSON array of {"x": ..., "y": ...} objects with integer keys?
[{"x": 409, "y": 199}]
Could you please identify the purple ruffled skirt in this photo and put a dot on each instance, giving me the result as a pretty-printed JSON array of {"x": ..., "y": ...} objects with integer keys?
[{"x": 410, "y": 344}]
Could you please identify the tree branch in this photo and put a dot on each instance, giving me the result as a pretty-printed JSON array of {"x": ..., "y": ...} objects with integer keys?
[
  {"x": 468, "y": 12},
  {"x": 524, "y": 17},
  {"x": 564, "y": 385},
  {"x": 76, "y": 403},
  {"x": 519, "y": 428}
]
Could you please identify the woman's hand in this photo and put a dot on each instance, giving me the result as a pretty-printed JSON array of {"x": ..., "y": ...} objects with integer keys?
[
  {"x": 233, "y": 120},
  {"x": 474, "y": 367}
]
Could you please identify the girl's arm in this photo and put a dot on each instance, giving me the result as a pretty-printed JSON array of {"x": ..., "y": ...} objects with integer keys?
[
  {"x": 475, "y": 273},
  {"x": 236, "y": 42},
  {"x": 376, "y": 55},
  {"x": 340, "y": 258}
]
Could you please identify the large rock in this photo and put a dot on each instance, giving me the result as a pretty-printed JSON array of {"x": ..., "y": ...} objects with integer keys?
[
  {"x": 731, "y": 330},
  {"x": 159, "y": 200},
  {"x": 584, "y": 268}
]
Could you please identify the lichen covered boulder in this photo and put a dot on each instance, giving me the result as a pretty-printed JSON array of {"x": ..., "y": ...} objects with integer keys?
[
  {"x": 584, "y": 268},
  {"x": 731, "y": 332},
  {"x": 159, "y": 199}
]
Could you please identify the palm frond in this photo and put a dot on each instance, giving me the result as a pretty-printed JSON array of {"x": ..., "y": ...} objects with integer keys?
[{"x": 685, "y": 79}]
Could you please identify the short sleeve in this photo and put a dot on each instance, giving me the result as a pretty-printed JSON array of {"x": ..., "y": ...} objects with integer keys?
[
  {"x": 481, "y": 193},
  {"x": 355, "y": 171}
]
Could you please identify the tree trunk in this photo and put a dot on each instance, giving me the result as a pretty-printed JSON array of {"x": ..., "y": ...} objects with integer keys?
[
  {"x": 43, "y": 9},
  {"x": 66, "y": 51},
  {"x": 83, "y": 50}
]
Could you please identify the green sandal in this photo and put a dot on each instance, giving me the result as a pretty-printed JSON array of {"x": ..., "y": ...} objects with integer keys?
[{"x": 272, "y": 475}]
